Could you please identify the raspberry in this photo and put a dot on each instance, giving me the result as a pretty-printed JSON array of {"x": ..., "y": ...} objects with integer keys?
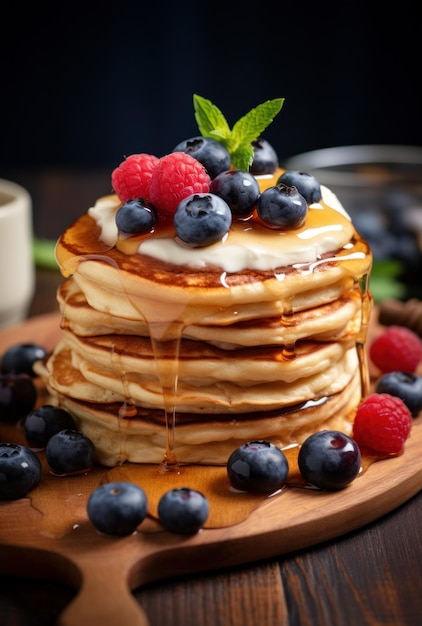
[
  {"x": 177, "y": 176},
  {"x": 396, "y": 349},
  {"x": 131, "y": 179},
  {"x": 382, "y": 423}
]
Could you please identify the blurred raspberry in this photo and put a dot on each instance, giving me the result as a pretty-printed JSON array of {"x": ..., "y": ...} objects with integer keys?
[
  {"x": 177, "y": 176},
  {"x": 382, "y": 423},
  {"x": 396, "y": 349},
  {"x": 131, "y": 179}
]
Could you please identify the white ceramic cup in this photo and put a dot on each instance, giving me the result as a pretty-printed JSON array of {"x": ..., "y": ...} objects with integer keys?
[{"x": 17, "y": 271}]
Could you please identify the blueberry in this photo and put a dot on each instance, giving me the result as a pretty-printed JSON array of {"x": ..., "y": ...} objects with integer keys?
[
  {"x": 265, "y": 159},
  {"x": 257, "y": 466},
  {"x": 408, "y": 387},
  {"x": 306, "y": 184},
  {"x": 20, "y": 471},
  {"x": 19, "y": 359},
  {"x": 69, "y": 452},
  {"x": 117, "y": 508},
  {"x": 183, "y": 510},
  {"x": 329, "y": 460},
  {"x": 18, "y": 396},
  {"x": 45, "y": 421},
  {"x": 210, "y": 152},
  {"x": 239, "y": 189},
  {"x": 282, "y": 206},
  {"x": 202, "y": 219},
  {"x": 135, "y": 217}
]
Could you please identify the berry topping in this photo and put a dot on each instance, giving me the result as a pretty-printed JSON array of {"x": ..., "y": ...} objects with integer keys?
[
  {"x": 329, "y": 459},
  {"x": 406, "y": 386},
  {"x": 282, "y": 206},
  {"x": 117, "y": 508},
  {"x": 382, "y": 423},
  {"x": 239, "y": 189},
  {"x": 202, "y": 219},
  {"x": 210, "y": 152},
  {"x": 19, "y": 359},
  {"x": 132, "y": 178},
  {"x": 176, "y": 176},
  {"x": 265, "y": 159},
  {"x": 396, "y": 349},
  {"x": 135, "y": 217},
  {"x": 257, "y": 466},
  {"x": 183, "y": 510},
  {"x": 306, "y": 184},
  {"x": 20, "y": 471}
]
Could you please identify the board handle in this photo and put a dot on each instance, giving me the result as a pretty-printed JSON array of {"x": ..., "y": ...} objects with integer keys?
[{"x": 105, "y": 600}]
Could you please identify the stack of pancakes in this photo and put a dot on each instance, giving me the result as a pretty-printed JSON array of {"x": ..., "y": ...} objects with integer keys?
[{"x": 163, "y": 357}]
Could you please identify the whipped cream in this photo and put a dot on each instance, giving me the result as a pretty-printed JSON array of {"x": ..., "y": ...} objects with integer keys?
[{"x": 327, "y": 228}]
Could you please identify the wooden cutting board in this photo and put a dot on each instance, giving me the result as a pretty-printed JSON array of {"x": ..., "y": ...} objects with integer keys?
[{"x": 48, "y": 534}]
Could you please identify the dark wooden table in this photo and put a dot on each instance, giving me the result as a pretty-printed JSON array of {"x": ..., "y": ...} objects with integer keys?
[{"x": 370, "y": 577}]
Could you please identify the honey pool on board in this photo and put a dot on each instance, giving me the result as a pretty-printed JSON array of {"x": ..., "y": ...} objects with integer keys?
[{"x": 59, "y": 502}]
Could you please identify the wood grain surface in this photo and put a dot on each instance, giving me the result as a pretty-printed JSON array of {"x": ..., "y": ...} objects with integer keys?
[{"x": 47, "y": 542}]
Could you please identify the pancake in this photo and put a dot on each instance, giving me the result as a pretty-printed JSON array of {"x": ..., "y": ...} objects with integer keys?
[
  {"x": 143, "y": 437},
  {"x": 180, "y": 353},
  {"x": 209, "y": 380},
  {"x": 332, "y": 321}
]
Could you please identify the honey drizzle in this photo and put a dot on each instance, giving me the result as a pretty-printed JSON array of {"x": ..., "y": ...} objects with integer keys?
[
  {"x": 167, "y": 369},
  {"x": 167, "y": 359},
  {"x": 288, "y": 319},
  {"x": 366, "y": 308},
  {"x": 164, "y": 327},
  {"x": 59, "y": 517}
]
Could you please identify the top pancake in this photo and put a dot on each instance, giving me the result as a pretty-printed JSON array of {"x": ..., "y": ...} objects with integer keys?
[{"x": 142, "y": 287}]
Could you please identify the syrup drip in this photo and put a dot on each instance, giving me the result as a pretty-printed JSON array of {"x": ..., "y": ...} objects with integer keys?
[
  {"x": 287, "y": 316},
  {"x": 127, "y": 411},
  {"x": 288, "y": 319},
  {"x": 168, "y": 374},
  {"x": 166, "y": 331},
  {"x": 366, "y": 307}
]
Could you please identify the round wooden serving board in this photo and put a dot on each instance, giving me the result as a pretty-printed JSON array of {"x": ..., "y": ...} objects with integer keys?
[{"x": 47, "y": 534}]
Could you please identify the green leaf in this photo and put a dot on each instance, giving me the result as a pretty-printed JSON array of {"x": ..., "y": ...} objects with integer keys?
[
  {"x": 242, "y": 158},
  {"x": 43, "y": 251},
  {"x": 238, "y": 141},
  {"x": 385, "y": 280},
  {"x": 211, "y": 122},
  {"x": 386, "y": 290},
  {"x": 253, "y": 124}
]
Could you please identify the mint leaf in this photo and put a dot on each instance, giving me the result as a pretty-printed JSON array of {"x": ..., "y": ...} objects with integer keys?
[
  {"x": 242, "y": 157},
  {"x": 238, "y": 141},
  {"x": 211, "y": 122},
  {"x": 253, "y": 124}
]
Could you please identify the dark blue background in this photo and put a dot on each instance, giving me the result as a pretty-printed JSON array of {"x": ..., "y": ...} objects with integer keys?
[{"x": 85, "y": 86}]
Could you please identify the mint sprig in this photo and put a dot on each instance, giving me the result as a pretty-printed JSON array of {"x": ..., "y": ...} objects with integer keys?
[{"x": 237, "y": 140}]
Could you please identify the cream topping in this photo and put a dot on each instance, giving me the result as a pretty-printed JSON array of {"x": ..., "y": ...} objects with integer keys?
[{"x": 327, "y": 228}]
